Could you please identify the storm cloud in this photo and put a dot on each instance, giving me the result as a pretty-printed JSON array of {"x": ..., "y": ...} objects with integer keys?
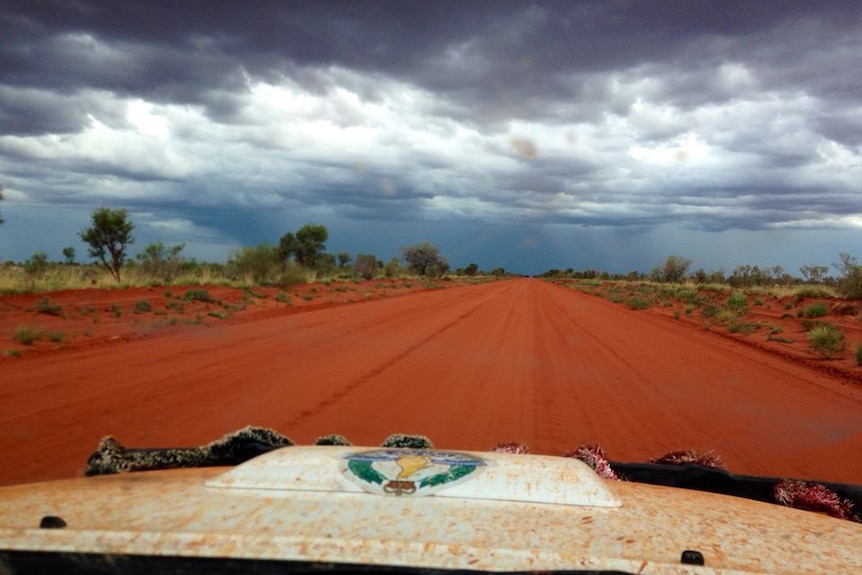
[{"x": 519, "y": 134}]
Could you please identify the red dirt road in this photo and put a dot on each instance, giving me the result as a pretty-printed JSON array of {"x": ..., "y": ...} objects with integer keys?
[{"x": 469, "y": 367}]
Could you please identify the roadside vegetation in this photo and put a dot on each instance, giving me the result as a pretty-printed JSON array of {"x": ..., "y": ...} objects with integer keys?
[
  {"x": 299, "y": 257},
  {"x": 297, "y": 270},
  {"x": 813, "y": 309}
]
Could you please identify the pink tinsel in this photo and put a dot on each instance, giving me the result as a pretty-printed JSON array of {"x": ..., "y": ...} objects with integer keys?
[
  {"x": 813, "y": 497},
  {"x": 511, "y": 447},
  {"x": 594, "y": 456}
]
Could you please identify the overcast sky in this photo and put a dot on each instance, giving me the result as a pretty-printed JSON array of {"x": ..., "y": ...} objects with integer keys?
[{"x": 528, "y": 135}]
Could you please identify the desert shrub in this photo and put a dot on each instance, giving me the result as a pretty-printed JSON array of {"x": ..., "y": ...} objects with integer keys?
[
  {"x": 262, "y": 264},
  {"x": 116, "y": 310},
  {"x": 57, "y": 336},
  {"x": 827, "y": 340},
  {"x": 809, "y": 324},
  {"x": 743, "y": 327},
  {"x": 737, "y": 303},
  {"x": 218, "y": 314},
  {"x": 35, "y": 267},
  {"x": 811, "y": 292},
  {"x": 639, "y": 301},
  {"x": 710, "y": 310},
  {"x": 687, "y": 295},
  {"x": 859, "y": 354},
  {"x": 45, "y": 306},
  {"x": 247, "y": 292},
  {"x": 28, "y": 334},
  {"x": 816, "y": 310},
  {"x": 365, "y": 266},
  {"x": 850, "y": 283},
  {"x": 142, "y": 306},
  {"x": 844, "y": 308},
  {"x": 292, "y": 275},
  {"x": 177, "y": 306},
  {"x": 614, "y": 297},
  {"x": 198, "y": 295}
]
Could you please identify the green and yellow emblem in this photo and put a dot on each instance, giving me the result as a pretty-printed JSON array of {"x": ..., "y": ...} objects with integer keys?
[{"x": 409, "y": 471}]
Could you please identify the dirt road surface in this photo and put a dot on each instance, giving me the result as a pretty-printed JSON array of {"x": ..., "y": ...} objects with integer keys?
[{"x": 469, "y": 367}]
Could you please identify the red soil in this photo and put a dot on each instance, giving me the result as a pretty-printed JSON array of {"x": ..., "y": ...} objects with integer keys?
[{"x": 520, "y": 360}]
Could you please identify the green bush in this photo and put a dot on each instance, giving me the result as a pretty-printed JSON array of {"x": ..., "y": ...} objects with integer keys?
[
  {"x": 45, "y": 306},
  {"x": 639, "y": 302},
  {"x": 811, "y": 292},
  {"x": 261, "y": 263},
  {"x": 198, "y": 295},
  {"x": 28, "y": 334},
  {"x": 816, "y": 310},
  {"x": 827, "y": 340},
  {"x": 142, "y": 306},
  {"x": 737, "y": 303},
  {"x": 850, "y": 283}
]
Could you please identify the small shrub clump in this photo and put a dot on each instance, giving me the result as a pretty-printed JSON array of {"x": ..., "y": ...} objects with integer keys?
[
  {"x": 816, "y": 310},
  {"x": 142, "y": 306},
  {"x": 27, "y": 335},
  {"x": 737, "y": 303},
  {"x": 827, "y": 340},
  {"x": 639, "y": 302},
  {"x": 47, "y": 307},
  {"x": 198, "y": 295}
]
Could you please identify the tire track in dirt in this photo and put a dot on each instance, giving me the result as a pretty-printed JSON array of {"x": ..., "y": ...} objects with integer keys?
[
  {"x": 388, "y": 363},
  {"x": 469, "y": 367},
  {"x": 626, "y": 378}
]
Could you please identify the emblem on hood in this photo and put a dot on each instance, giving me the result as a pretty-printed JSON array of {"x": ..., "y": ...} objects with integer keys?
[{"x": 415, "y": 472}]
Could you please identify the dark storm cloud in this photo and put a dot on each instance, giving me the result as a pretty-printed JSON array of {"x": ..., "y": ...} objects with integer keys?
[{"x": 692, "y": 113}]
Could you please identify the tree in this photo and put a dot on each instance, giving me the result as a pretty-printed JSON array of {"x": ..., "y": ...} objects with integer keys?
[
  {"x": 365, "y": 266},
  {"x": 343, "y": 259},
  {"x": 813, "y": 273},
  {"x": 69, "y": 254},
  {"x": 425, "y": 259},
  {"x": 35, "y": 267},
  {"x": 850, "y": 282},
  {"x": 261, "y": 263},
  {"x": 471, "y": 269},
  {"x": 392, "y": 268},
  {"x": 673, "y": 270},
  {"x": 108, "y": 238},
  {"x": 306, "y": 246},
  {"x": 161, "y": 261}
]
